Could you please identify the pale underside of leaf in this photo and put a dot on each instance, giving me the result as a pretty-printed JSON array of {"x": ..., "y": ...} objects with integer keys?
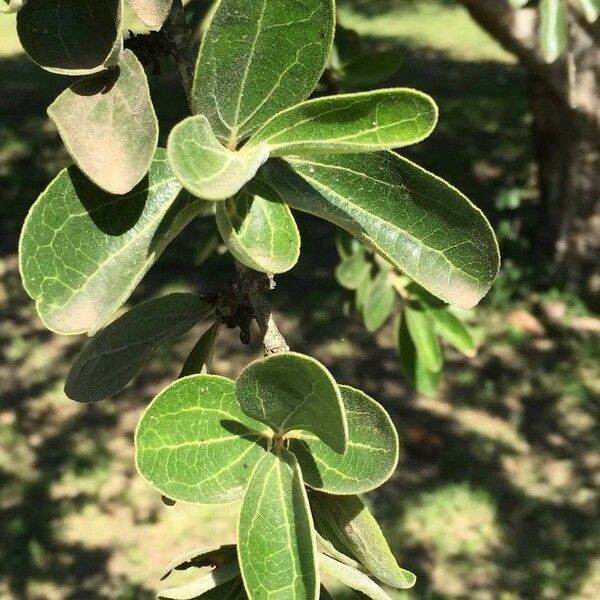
[
  {"x": 290, "y": 391},
  {"x": 119, "y": 352},
  {"x": 418, "y": 222},
  {"x": 207, "y": 583},
  {"x": 194, "y": 444},
  {"x": 370, "y": 459},
  {"x": 83, "y": 251},
  {"x": 259, "y": 229},
  {"x": 210, "y": 556},
  {"x": 276, "y": 542},
  {"x": 108, "y": 125},
  {"x": 207, "y": 169},
  {"x": 257, "y": 58},
  {"x": 362, "y": 122},
  {"x": 152, "y": 12}
]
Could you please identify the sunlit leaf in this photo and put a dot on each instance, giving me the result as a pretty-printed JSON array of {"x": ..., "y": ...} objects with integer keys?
[
  {"x": 554, "y": 28},
  {"x": 11, "y": 6},
  {"x": 200, "y": 358},
  {"x": 208, "y": 582},
  {"x": 194, "y": 444},
  {"x": 453, "y": 330},
  {"x": 421, "y": 328},
  {"x": 108, "y": 125},
  {"x": 378, "y": 302},
  {"x": 290, "y": 391},
  {"x": 591, "y": 9},
  {"x": 276, "y": 541},
  {"x": 211, "y": 556},
  {"x": 152, "y": 12},
  {"x": 118, "y": 353},
  {"x": 351, "y": 577},
  {"x": 372, "y": 453},
  {"x": 257, "y": 58}
]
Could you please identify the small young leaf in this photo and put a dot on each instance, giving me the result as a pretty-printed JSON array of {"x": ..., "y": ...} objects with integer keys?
[
  {"x": 351, "y": 577},
  {"x": 118, "y": 353},
  {"x": 72, "y": 38},
  {"x": 82, "y": 251},
  {"x": 212, "y": 556},
  {"x": 259, "y": 229},
  {"x": 425, "y": 381},
  {"x": 372, "y": 453},
  {"x": 276, "y": 540},
  {"x": 207, "y": 169},
  {"x": 554, "y": 28},
  {"x": 291, "y": 391},
  {"x": 200, "y": 358},
  {"x": 194, "y": 444},
  {"x": 363, "y": 122},
  {"x": 453, "y": 330},
  {"x": 152, "y": 12},
  {"x": 352, "y": 530},
  {"x": 351, "y": 272},
  {"x": 108, "y": 125},
  {"x": 257, "y": 58},
  {"x": 378, "y": 302},
  {"x": 214, "y": 579},
  {"x": 422, "y": 225},
  {"x": 421, "y": 328},
  {"x": 346, "y": 245}
]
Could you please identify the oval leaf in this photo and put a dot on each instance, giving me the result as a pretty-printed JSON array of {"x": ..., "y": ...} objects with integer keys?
[
  {"x": 419, "y": 223},
  {"x": 378, "y": 302},
  {"x": 352, "y": 271},
  {"x": 290, "y": 391},
  {"x": 421, "y": 328},
  {"x": 212, "y": 556},
  {"x": 372, "y": 453},
  {"x": 257, "y": 58},
  {"x": 108, "y": 124},
  {"x": 351, "y": 577},
  {"x": 351, "y": 529},
  {"x": 83, "y": 251},
  {"x": 194, "y": 444},
  {"x": 209, "y": 582},
  {"x": 453, "y": 330},
  {"x": 259, "y": 229},
  {"x": 205, "y": 167},
  {"x": 276, "y": 541},
  {"x": 72, "y": 38},
  {"x": 363, "y": 122},
  {"x": 152, "y": 13},
  {"x": 119, "y": 352}
]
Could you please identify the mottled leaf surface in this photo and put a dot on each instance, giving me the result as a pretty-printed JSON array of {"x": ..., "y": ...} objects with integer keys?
[
  {"x": 152, "y": 12},
  {"x": 276, "y": 541},
  {"x": 118, "y": 353},
  {"x": 108, "y": 125},
  {"x": 422, "y": 225},
  {"x": 257, "y": 58},
  {"x": 370, "y": 459},
  {"x": 194, "y": 444},
  {"x": 83, "y": 251},
  {"x": 363, "y": 122},
  {"x": 291, "y": 391}
]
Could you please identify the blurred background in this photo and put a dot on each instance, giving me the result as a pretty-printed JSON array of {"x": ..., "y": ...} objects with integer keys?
[{"x": 497, "y": 493}]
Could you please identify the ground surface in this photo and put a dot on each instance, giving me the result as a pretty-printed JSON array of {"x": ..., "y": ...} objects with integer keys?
[{"x": 497, "y": 494}]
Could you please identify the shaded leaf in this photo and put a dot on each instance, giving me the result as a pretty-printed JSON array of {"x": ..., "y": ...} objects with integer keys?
[
  {"x": 83, "y": 251},
  {"x": 372, "y": 453},
  {"x": 276, "y": 542},
  {"x": 212, "y": 556},
  {"x": 72, "y": 38},
  {"x": 351, "y": 577},
  {"x": 212, "y": 580},
  {"x": 205, "y": 167},
  {"x": 362, "y": 122},
  {"x": 378, "y": 302},
  {"x": 370, "y": 69},
  {"x": 152, "y": 13},
  {"x": 200, "y": 358},
  {"x": 421, "y": 328},
  {"x": 259, "y": 229},
  {"x": 346, "y": 245},
  {"x": 194, "y": 444},
  {"x": 453, "y": 330},
  {"x": 421, "y": 224},
  {"x": 118, "y": 353},
  {"x": 257, "y": 58},
  {"x": 351, "y": 272},
  {"x": 108, "y": 125},
  {"x": 290, "y": 391},
  {"x": 554, "y": 28}
]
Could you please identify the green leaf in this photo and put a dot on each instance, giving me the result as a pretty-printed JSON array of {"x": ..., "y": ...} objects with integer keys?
[
  {"x": 554, "y": 28},
  {"x": 372, "y": 453},
  {"x": 290, "y": 391},
  {"x": 351, "y": 272},
  {"x": 453, "y": 330},
  {"x": 257, "y": 58},
  {"x": 211, "y": 556},
  {"x": 363, "y": 122},
  {"x": 421, "y": 328},
  {"x": 200, "y": 358},
  {"x": 346, "y": 245},
  {"x": 351, "y": 577},
  {"x": 118, "y": 353},
  {"x": 276, "y": 541},
  {"x": 83, "y": 251},
  {"x": 108, "y": 125},
  {"x": 212, "y": 580},
  {"x": 425, "y": 381},
  {"x": 207, "y": 169},
  {"x": 72, "y": 38},
  {"x": 152, "y": 13},
  {"x": 259, "y": 229},
  {"x": 348, "y": 525},
  {"x": 370, "y": 69},
  {"x": 422, "y": 225},
  {"x": 378, "y": 302},
  {"x": 12, "y": 6},
  {"x": 518, "y": 3},
  {"x": 591, "y": 9},
  {"x": 194, "y": 444}
]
